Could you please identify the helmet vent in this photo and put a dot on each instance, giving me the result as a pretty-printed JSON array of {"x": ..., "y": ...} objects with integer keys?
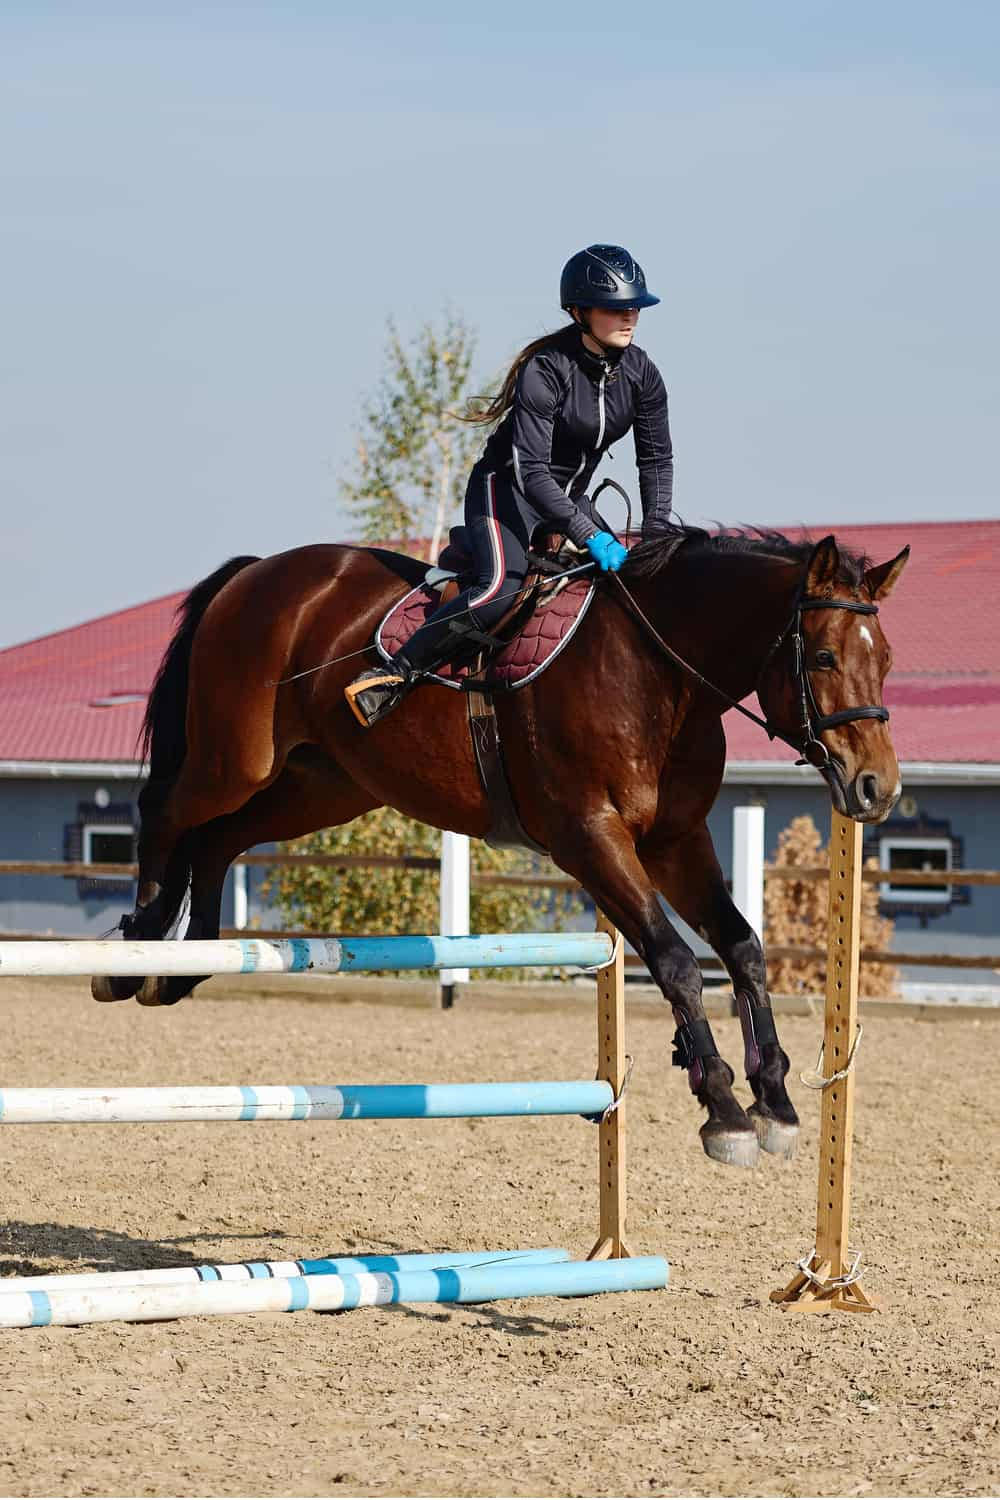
[
  {"x": 617, "y": 259},
  {"x": 601, "y": 278}
]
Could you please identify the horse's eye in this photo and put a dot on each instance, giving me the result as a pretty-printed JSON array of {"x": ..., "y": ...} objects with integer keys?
[{"x": 825, "y": 659}]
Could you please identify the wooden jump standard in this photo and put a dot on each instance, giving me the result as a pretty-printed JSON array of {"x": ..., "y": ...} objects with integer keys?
[{"x": 827, "y": 1279}]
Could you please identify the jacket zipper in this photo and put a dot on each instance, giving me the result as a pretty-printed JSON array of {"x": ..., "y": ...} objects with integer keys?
[{"x": 600, "y": 407}]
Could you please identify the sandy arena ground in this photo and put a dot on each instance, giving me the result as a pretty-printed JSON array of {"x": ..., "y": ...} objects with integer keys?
[{"x": 704, "y": 1389}]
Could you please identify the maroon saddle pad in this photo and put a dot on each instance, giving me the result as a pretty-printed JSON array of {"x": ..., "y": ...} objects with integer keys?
[{"x": 538, "y": 642}]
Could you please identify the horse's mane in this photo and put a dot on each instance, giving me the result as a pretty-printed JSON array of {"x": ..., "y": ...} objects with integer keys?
[{"x": 649, "y": 558}]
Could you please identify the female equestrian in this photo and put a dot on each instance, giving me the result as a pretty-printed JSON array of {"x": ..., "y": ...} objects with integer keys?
[{"x": 566, "y": 399}]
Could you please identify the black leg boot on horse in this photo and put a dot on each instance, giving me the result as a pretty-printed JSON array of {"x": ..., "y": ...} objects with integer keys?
[{"x": 686, "y": 871}]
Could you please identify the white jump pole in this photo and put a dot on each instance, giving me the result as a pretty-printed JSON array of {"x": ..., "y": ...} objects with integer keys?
[{"x": 454, "y": 905}]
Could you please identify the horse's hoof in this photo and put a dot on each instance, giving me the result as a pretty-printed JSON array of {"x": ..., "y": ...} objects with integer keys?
[
  {"x": 104, "y": 989},
  {"x": 734, "y": 1148},
  {"x": 775, "y": 1136},
  {"x": 152, "y": 990}
]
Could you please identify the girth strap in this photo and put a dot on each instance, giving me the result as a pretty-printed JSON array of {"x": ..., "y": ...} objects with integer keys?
[{"x": 506, "y": 831}]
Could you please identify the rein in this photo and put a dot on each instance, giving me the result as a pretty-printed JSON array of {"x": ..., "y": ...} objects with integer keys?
[{"x": 808, "y": 744}]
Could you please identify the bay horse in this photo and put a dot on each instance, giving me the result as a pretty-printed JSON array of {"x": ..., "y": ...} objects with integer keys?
[{"x": 615, "y": 754}]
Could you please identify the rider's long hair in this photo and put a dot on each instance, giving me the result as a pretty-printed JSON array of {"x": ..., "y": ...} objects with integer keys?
[{"x": 497, "y": 405}]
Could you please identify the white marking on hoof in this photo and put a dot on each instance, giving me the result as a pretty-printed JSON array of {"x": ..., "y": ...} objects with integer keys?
[
  {"x": 734, "y": 1148},
  {"x": 775, "y": 1137}
]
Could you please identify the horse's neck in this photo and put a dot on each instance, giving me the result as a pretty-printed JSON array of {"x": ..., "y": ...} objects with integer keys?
[{"x": 723, "y": 612}]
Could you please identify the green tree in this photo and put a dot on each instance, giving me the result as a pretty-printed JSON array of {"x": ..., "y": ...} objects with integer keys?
[
  {"x": 414, "y": 452},
  {"x": 352, "y": 901}
]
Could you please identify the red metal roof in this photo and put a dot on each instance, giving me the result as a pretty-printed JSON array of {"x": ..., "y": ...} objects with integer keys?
[
  {"x": 943, "y": 623},
  {"x": 49, "y": 688}
]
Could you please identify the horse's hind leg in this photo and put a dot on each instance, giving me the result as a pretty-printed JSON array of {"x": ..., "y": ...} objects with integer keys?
[
  {"x": 687, "y": 873},
  {"x": 311, "y": 792},
  {"x": 171, "y": 809},
  {"x": 164, "y": 876},
  {"x": 601, "y": 854}
]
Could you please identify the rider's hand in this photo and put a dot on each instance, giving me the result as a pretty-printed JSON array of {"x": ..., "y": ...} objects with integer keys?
[{"x": 606, "y": 550}]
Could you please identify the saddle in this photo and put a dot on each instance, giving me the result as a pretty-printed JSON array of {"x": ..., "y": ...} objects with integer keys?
[{"x": 540, "y": 620}]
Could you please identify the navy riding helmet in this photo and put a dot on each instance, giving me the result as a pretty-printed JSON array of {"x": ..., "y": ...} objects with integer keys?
[{"x": 604, "y": 276}]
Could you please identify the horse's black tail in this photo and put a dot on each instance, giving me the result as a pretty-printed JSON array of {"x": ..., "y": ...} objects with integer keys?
[{"x": 163, "y": 737}]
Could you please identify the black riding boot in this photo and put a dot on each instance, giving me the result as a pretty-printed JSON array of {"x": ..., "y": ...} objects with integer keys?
[{"x": 378, "y": 691}]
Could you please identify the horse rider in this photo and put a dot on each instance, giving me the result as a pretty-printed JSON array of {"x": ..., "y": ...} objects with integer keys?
[{"x": 566, "y": 399}]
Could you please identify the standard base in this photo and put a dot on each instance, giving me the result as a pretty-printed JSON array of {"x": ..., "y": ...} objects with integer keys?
[
  {"x": 802, "y": 1294},
  {"x": 610, "y": 1248}
]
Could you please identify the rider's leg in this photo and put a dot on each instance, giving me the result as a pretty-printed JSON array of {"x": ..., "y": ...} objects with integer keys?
[{"x": 499, "y": 538}]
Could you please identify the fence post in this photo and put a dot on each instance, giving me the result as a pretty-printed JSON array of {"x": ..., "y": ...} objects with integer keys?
[
  {"x": 241, "y": 897},
  {"x": 454, "y": 905},
  {"x": 748, "y": 864}
]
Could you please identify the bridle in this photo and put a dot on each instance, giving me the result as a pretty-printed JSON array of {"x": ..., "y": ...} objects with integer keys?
[{"x": 811, "y": 723}]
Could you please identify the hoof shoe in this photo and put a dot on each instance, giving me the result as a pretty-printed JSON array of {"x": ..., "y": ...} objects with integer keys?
[
  {"x": 775, "y": 1137},
  {"x": 734, "y": 1148}
]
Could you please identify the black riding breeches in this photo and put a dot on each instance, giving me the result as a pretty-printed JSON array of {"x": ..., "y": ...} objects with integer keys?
[{"x": 499, "y": 526}]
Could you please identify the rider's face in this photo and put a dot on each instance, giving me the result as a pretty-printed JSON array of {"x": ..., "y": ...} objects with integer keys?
[{"x": 613, "y": 326}]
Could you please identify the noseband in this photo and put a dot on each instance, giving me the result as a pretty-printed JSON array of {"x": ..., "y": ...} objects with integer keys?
[{"x": 812, "y": 723}]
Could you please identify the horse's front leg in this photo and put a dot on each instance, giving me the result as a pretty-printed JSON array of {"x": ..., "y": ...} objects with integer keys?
[
  {"x": 601, "y": 853},
  {"x": 687, "y": 872}
]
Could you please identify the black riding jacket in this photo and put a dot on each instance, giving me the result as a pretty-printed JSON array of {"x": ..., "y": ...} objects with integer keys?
[{"x": 569, "y": 407}]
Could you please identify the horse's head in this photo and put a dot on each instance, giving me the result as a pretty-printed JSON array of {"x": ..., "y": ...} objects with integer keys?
[{"x": 823, "y": 687}]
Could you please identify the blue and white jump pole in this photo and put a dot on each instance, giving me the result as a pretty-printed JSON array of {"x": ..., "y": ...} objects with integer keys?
[
  {"x": 406, "y": 1101},
  {"x": 328, "y": 1293},
  {"x": 267, "y": 1270},
  {"x": 327, "y": 955}
]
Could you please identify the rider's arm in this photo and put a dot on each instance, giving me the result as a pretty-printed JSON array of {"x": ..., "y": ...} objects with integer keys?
[
  {"x": 536, "y": 401},
  {"x": 654, "y": 454}
]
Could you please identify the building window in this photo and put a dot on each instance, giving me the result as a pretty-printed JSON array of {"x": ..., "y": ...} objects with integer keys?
[
  {"x": 107, "y": 844},
  {"x": 917, "y": 842},
  {"x": 101, "y": 835},
  {"x": 915, "y": 854}
]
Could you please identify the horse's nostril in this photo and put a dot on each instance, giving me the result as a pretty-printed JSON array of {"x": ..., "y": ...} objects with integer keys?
[{"x": 868, "y": 788}]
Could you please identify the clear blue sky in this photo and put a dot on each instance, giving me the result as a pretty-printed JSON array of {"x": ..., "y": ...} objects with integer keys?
[{"x": 212, "y": 209}]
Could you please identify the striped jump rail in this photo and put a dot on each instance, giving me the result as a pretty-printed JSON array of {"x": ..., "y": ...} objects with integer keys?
[
  {"x": 267, "y": 1270},
  {"x": 322, "y": 955},
  {"x": 328, "y": 1293},
  {"x": 277, "y": 1102}
]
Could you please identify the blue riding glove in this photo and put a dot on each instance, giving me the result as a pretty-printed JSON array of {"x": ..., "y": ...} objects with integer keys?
[{"x": 607, "y": 552}]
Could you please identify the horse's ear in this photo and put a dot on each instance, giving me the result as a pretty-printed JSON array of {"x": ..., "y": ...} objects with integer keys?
[
  {"x": 822, "y": 572},
  {"x": 881, "y": 581}
]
